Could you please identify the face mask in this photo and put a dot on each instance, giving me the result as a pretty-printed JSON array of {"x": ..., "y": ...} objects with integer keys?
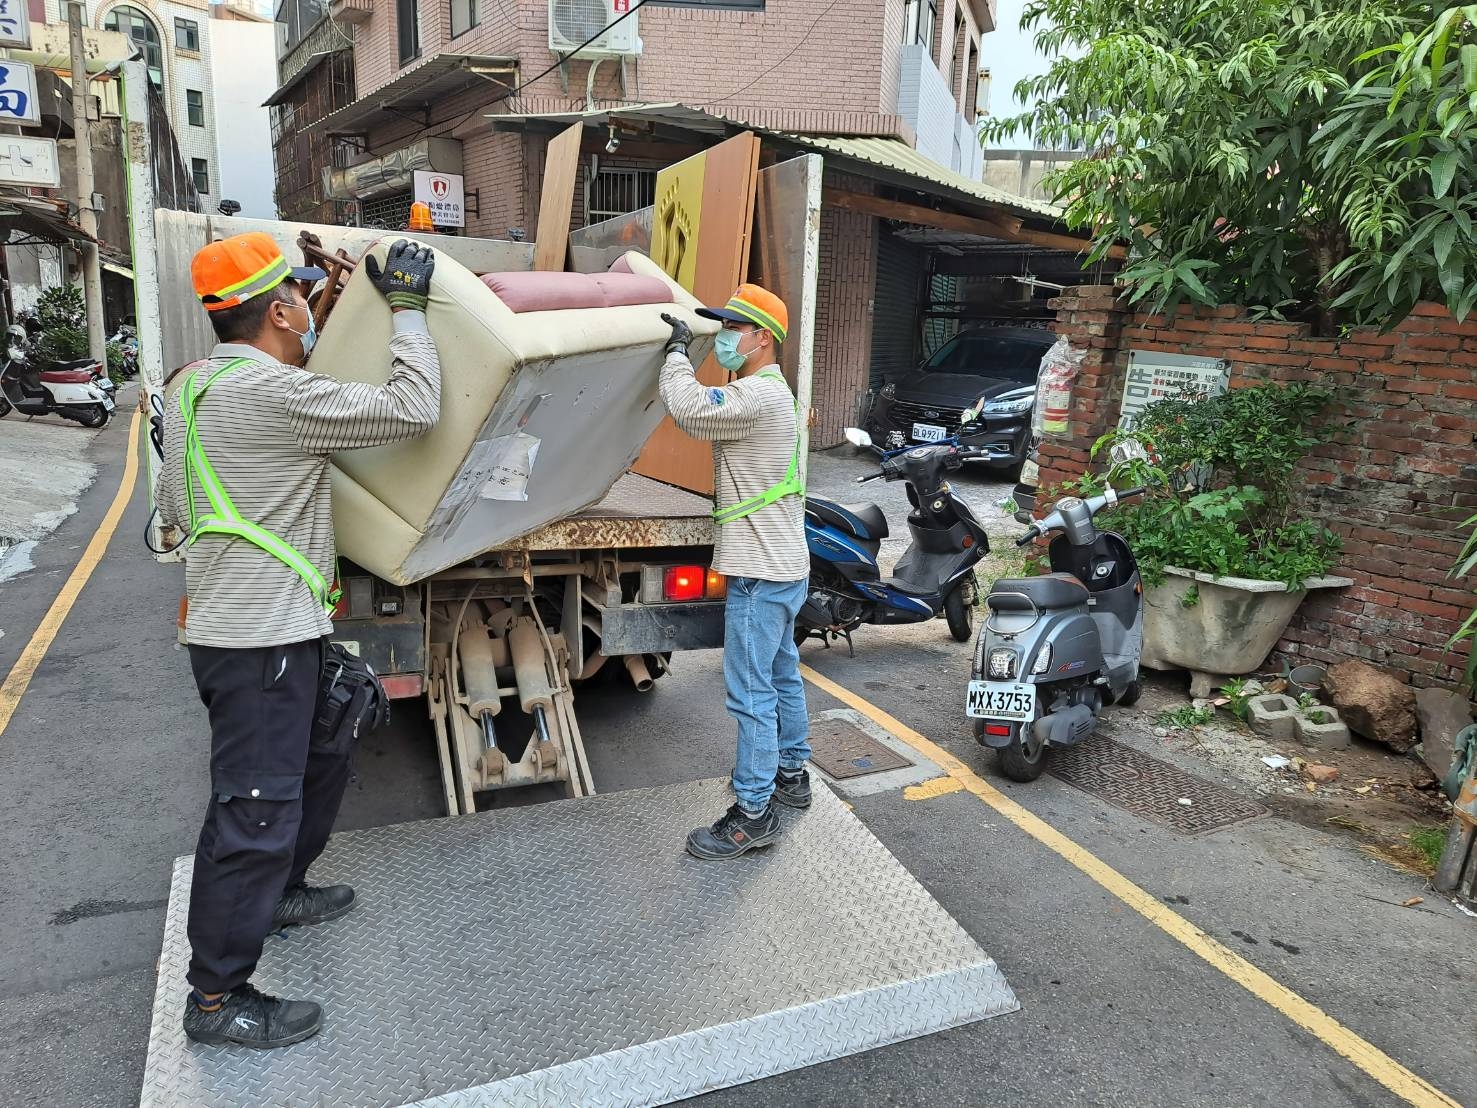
[
  {"x": 309, "y": 337},
  {"x": 726, "y": 350}
]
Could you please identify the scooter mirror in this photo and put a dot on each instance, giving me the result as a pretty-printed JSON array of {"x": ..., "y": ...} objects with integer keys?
[{"x": 857, "y": 437}]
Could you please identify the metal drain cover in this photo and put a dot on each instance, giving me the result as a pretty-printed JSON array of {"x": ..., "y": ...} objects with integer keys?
[
  {"x": 1150, "y": 788},
  {"x": 843, "y": 750}
]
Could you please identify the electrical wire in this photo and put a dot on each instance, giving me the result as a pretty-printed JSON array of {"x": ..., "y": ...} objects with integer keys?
[{"x": 798, "y": 43}]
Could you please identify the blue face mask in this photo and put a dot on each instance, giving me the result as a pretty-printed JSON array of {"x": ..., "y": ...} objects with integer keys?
[
  {"x": 309, "y": 337},
  {"x": 726, "y": 350}
]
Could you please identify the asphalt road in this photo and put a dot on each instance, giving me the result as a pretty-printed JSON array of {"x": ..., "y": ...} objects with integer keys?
[{"x": 104, "y": 774}]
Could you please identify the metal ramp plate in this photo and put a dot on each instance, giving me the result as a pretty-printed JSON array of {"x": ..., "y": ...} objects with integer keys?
[{"x": 570, "y": 954}]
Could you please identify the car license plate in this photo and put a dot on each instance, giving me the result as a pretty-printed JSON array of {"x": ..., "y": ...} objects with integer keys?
[
  {"x": 929, "y": 432},
  {"x": 1001, "y": 700}
]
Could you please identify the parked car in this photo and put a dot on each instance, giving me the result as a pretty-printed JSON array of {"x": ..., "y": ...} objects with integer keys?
[{"x": 992, "y": 367}]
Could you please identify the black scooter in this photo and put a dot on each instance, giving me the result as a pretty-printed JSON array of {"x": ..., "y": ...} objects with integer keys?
[{"x": 934, "y": 577}]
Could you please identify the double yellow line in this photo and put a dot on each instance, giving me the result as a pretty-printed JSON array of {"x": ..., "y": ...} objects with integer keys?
[{"x": 1409, "y": 1086}]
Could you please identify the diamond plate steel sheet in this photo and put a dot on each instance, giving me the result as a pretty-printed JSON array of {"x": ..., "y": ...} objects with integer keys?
[
  {"x": 1150, "y": 788},
  {"x": 571, "y": 954}
]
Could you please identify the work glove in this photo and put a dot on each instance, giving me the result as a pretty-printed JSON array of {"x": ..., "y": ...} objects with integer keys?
[
  {"x": 406, "y": 280},
  {"x": 681, "y": 334}
]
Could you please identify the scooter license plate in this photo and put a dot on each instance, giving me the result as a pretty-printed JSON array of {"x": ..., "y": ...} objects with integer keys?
[
  {"x": 108, "y": 403},
  {"x": 1001, "y": 700},
  {"x": 929, "y": 432}
]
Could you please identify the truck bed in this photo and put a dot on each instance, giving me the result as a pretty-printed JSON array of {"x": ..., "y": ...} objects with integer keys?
[{"x": 637, "y": 512}]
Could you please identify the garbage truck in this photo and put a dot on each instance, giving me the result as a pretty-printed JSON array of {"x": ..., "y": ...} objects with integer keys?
[{"x": 493, "y": 568}]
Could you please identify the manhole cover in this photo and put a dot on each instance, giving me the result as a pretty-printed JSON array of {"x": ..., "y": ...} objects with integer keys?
[
  {"x": 1149, "y": 788},
  {"x": 843, "y": 751}
]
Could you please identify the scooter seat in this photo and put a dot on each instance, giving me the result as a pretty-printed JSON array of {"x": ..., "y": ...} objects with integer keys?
[
  {"x": 1050, "y": 590},
  {"x": 865, "y": 521},
  {"x": 75, "y": 363}
]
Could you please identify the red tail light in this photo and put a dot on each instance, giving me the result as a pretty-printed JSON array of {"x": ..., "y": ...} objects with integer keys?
[
  {"x": 685, "y": 582},
  {"x": 997, "y": 729}
]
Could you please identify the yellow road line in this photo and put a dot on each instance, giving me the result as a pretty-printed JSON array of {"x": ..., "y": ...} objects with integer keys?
[
  {"x": 1391, "y": 1074},
  {"x": 934, "y": 786},
  {"x": 19, "y": 677}
]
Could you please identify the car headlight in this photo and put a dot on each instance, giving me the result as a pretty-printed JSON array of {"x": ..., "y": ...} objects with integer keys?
[
  {"x": 1002, "y": 664},
  {"x": 889, "y": 390},
  {"x": 1008, "y": 407}
]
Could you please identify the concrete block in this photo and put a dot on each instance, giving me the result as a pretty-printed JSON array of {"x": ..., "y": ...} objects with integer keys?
[
  {"x": 1320, "y": 727},
  {"x": 1272, "y": 716}
]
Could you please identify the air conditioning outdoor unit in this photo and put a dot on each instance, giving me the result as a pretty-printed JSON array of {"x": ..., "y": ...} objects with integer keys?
[{"x": 572, "y": 22}]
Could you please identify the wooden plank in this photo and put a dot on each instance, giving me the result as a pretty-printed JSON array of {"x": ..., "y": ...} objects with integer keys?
[
  {"x": 556, "y": 203},
  {"x": 701, "y": 232},
  {"x": 1003, "y": 227}
]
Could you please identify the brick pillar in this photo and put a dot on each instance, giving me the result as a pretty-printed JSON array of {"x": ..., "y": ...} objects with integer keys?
[{"x": 1091, "y": 318}]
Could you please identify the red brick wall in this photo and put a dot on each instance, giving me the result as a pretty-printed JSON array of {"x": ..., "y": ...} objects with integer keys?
[{"x": 1395, "y": 482}]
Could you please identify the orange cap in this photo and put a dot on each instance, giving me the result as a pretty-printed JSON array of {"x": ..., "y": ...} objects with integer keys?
[
  {"x": 752, "y": 304},
  {"x": 420, "y": 217},
  {"x": 229, "y": 272}
]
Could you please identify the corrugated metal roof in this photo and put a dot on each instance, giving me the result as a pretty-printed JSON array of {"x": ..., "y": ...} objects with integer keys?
[
  {"x": 901, "y": 158},
  {"x": 895, "y": 157}
]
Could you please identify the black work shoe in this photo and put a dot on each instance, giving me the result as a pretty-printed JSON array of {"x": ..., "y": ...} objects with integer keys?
[
  {"x": 304, "y": 904},
  {"x": 793, "y": 789},
  {"x": 250, "y": 1018},
  {"x": 734, "y": 834}
]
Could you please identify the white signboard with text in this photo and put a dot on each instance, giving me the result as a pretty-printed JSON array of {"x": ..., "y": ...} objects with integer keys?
[
  {"x": 1153, "y": 377},
  {"x": 15, "y": 23},
  {"x": 18, "y": 102},
  {"x": 29, "y": 161},
  {"x": 445, "y": 194}
]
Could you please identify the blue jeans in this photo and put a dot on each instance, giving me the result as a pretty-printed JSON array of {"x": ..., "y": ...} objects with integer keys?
[{"x": 761, "y": 670}]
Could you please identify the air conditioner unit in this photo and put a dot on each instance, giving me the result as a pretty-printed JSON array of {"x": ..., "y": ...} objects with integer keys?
[{"x": 573, "y": 22}]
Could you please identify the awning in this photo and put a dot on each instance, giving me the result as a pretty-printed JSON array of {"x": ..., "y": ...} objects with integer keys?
[
  {"x": 885, "y": 159},
  {"x": 419, "y": 87},
  {"x": 38, "y": 220},
  {"x": 121, "y": 270},
  {"x": 301, "y": 75}
]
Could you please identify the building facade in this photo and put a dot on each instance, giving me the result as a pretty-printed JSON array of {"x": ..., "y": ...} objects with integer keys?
[
  {"x": 174, "y": 36},
  {"x": 243, "y": 66},
  {"x": 372, "y": 90}
]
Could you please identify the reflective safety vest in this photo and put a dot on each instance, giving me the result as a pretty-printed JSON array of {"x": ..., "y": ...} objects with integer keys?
[
  {"x": 224, "y": 519},
  {"x": 791, "y": 485}
]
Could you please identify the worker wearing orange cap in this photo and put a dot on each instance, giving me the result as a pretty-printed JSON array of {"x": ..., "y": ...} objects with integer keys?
[
  {"x": 245, "y": 475},
  {"x": 759, "y": 512}
]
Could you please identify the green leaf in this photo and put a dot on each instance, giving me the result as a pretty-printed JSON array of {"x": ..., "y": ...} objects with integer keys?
[
  {"x": 1442, "y": 242},
  {"x": 1443, "y": 169}
]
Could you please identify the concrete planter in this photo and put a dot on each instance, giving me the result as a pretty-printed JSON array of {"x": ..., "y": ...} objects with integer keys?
[{"x": 1230, "y": 631}]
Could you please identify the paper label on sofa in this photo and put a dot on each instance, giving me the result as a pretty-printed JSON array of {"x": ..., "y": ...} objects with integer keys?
[{"x": 510, "y": 459}]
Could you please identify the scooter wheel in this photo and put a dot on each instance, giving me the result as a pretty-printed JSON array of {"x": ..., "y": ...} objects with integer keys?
[
  {"x": 1022, "y": 762},
  {"x": 92, "y": 416},
  {"x": 959, "y": 614},
  {"x": 1131, "y": 694}
]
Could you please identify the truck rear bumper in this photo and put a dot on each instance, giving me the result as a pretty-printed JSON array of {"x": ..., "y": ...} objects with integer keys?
[{"x": 661, "y": 628}]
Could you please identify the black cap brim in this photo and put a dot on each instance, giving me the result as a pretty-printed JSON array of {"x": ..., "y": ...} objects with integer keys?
[
  {"x": 308, "y": 273},
  {"x": 724, "y": 315}
]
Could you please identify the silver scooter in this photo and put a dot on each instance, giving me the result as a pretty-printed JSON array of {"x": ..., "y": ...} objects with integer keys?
[{"x": 1056, "y": 649}]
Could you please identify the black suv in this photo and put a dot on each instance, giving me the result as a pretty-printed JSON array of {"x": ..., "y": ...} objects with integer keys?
[{"x": 992, "y": 367}]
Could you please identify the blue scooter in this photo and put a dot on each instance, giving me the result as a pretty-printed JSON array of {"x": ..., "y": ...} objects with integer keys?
[{"x": 934, "y": 576}]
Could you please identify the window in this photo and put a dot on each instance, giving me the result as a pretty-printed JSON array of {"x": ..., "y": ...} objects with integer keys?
[
  {"x": 919, "y": 17},
  {"x": 195, "y": 107},
  {"x": 463, "y": 16},
  {"x": 407, "y": 19},
  {"x": 140, "y": 28},
  {"x": 186, "y": 35},
  {"x": 612, "y": 192},
  {"x": 200, "y": 170}
]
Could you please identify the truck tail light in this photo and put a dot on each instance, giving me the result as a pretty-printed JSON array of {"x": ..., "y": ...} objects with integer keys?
[
  {"x": 684, "y": 583},
  {"x": 717, "y": 585}
]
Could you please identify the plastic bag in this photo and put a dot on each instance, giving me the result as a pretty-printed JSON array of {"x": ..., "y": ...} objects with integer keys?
[{"x": 1059, "y": 369}]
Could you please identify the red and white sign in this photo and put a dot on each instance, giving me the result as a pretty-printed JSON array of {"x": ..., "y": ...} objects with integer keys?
[
  {"x": 444, "y": 194},
  {"x": 620, "y": 7}
]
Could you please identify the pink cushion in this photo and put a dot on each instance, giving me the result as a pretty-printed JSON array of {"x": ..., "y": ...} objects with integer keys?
[{"x": 547, "y": 292}]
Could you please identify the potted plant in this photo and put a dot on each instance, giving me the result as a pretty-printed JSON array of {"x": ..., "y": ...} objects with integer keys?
[{"x": 1225, "y": 554}]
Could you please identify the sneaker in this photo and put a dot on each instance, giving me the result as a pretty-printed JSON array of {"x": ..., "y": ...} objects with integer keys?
[
  {"x": 793, "y": 789},
  {"x": 304, "y": 904},
  {"x": 248, "y": 1017},
  {"x": 734, "y": 834}
]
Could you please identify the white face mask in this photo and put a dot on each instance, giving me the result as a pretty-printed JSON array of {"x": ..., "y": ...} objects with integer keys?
[{"x": 309, "y": 337}]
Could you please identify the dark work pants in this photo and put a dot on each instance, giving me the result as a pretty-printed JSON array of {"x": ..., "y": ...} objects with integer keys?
[{"x": 274, "y": 797}]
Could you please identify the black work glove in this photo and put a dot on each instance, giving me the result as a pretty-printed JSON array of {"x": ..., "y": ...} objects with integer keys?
[
  {"x": 681, "y": 334},
  {"x": 406, "y": 280}
]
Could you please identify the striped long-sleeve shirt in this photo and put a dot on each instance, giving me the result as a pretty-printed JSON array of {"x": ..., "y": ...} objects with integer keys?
[
  {"x": 753, "y": 428},
  {"x": 268, "y": 429}
]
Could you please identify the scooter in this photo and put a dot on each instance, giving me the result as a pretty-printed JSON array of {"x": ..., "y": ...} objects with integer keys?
[
  {"x": 1056, "y": 649},
  {"x": 934, "y": 576},
  {"x": 68, "y": 389},
  {"x": 127, "y": 341}
]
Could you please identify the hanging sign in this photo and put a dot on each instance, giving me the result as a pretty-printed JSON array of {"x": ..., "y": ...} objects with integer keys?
[
  {"x": 29, "y": 161},
  {"x": 15, "y": 23},
  {"x": 445, "y": 194},
  {"x": 18, "y": 102}
]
